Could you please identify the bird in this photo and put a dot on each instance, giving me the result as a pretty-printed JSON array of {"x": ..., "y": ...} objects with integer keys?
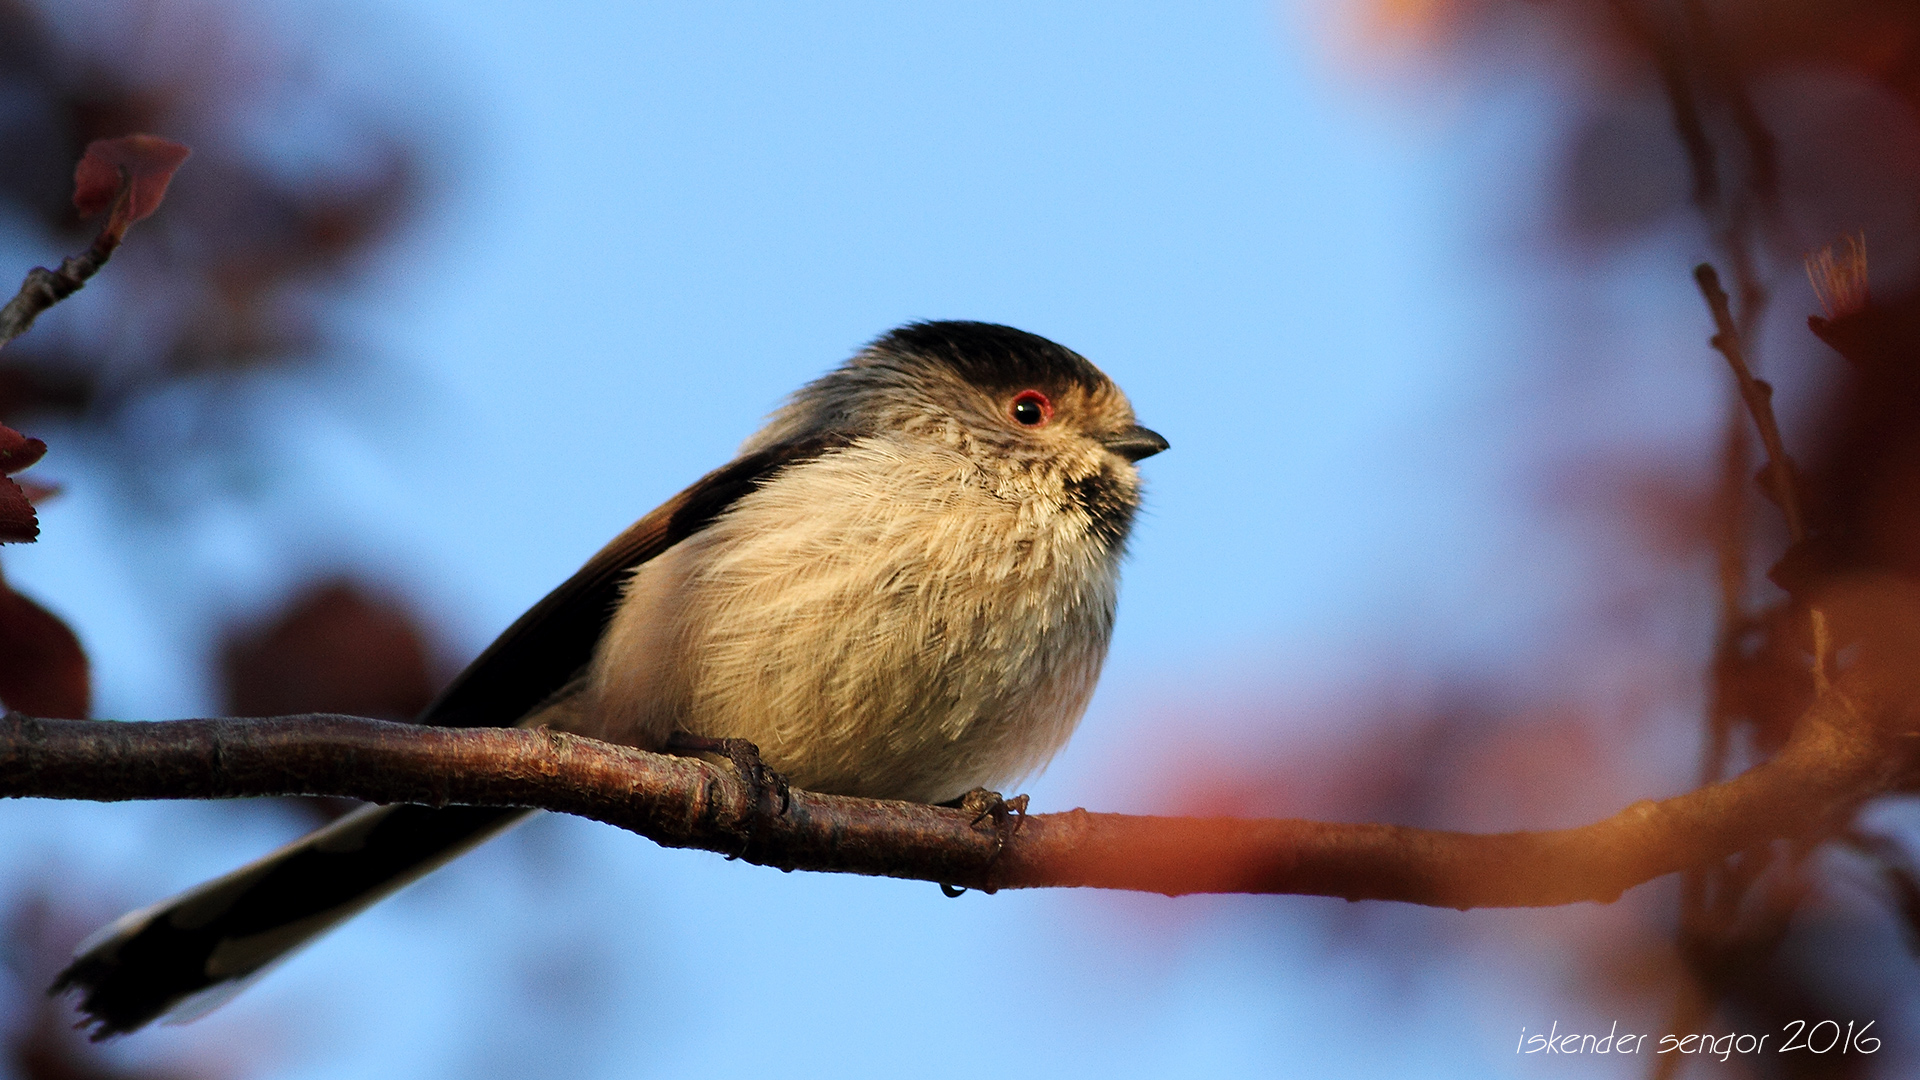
[{"x": 901, "y": 587}]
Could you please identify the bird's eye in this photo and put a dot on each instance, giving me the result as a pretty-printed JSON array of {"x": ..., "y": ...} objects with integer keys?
[{"x": 1031, "y": 408}]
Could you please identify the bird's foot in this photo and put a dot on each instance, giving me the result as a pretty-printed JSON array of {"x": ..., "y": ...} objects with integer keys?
[
  {"x": 1007, "y": 814},
  {"x": 761, "y": 781}
]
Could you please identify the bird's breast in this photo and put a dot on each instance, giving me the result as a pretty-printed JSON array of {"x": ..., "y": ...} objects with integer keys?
[{"x": 886, "y": 621}]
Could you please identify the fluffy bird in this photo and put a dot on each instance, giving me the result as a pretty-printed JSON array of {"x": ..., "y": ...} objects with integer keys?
[{"x": 901, "y": 587}]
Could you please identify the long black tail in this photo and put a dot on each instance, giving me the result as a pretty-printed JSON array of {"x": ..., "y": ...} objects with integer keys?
[
  {"x": 186, "y": 955},
  {"x": 193, "y": 952}
]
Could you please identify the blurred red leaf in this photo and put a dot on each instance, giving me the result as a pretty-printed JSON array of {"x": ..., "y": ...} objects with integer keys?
[
  {"x": 38, "y": 493},
  {"x": 43, "y": 670},
  {"x": 145, "y": 163},
  {"x": 335, "y": 648}
]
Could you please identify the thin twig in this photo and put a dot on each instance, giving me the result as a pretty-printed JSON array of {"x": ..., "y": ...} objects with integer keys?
[
  {"x": 44, "y": 288},
  {"x": 1730, "y": 559},
  {"x": 1781, "y": 480},
  {"x": 1835, "y": 758},
  {"x": 1758, "y": 396},
  {"x": 1713, "y": 60},
  {"x": 1676, "y": 81},
  {"x": 1689, "y": 55}
]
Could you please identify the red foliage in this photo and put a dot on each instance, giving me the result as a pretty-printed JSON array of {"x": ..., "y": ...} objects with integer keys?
[
  {"x": 141, "y": 164},
  {"x": 254, "y": 252},
  {"x": 18, "y": 451},
  {"x": 1767, "y": 130},
  {"x": 334, "y": 649},
  {"x": 43, "y": 670},
  {"x": 18, "y": 523}
]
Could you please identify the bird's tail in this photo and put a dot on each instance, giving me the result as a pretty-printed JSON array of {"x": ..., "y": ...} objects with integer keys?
[{"x": 189, "y": 954}]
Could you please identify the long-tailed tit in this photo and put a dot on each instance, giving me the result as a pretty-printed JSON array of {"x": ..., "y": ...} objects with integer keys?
[{"x": 902, "y": 587}]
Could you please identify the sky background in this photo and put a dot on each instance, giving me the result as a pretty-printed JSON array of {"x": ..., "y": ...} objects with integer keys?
[{"x": 1296, "y": 250}]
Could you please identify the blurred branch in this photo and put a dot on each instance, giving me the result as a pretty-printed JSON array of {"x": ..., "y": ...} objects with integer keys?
[
  {"x": 1758, "y": 394},
  {"x": 1670, "y": 63},
  {"x": 1836, "y": 757},
  {"x": 45, "y": 288},
  {"x": 1782, "y": 484},
  {"x": 127, "y": 178}
]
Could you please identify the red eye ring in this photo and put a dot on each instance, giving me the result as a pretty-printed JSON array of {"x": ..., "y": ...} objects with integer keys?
[{"x": 1030, "y": 408}]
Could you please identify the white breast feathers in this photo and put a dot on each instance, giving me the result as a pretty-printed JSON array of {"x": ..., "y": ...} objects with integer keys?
[{"x": 884, "y": 621}]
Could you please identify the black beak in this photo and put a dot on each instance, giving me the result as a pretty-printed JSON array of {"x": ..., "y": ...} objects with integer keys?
[{"x": 1136, "y": 442}]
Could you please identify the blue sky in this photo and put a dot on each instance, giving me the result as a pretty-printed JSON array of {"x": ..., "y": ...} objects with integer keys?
[{"x": 654, "y": 221}]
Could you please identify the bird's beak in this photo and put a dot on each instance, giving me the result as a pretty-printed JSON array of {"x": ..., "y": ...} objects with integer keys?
[{"x": 1135, "y": 443}]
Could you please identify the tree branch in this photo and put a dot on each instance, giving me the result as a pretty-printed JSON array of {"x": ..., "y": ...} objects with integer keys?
[
  {"x": 44, "y": 288},
  {"x": 1783, "y": 483},
  {"x": 127, "y": 177},
  {"x": 1835, "y": 759}
]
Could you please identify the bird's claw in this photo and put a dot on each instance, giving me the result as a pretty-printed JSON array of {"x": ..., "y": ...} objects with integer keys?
[
  {"x": 984, "y": 804},
  {"x": 1007, "y": 814},
  {"x": 754, "y": 773}
]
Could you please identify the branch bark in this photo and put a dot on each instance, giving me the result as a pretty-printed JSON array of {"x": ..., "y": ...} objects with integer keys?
[
  {"x": 44, "y": 288},
  {"x": 1836, "y": 759}
]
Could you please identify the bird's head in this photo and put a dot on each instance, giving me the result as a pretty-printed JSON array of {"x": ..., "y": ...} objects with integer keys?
[{"x": 975, "y": 385}]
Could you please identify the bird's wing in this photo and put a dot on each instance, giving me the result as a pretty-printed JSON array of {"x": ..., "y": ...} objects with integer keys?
[{"x": 546, "y": 647}]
